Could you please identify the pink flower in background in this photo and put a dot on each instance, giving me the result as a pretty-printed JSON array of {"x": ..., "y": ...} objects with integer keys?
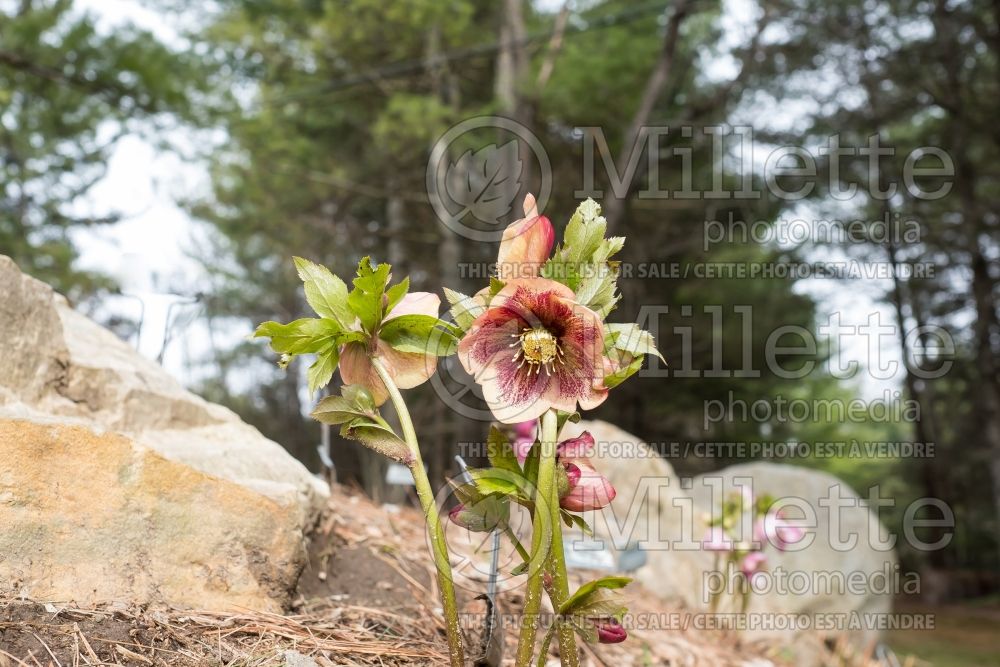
[
  {"x": 752, "y": 565},
  {"x": 610, "y": 631},
  {"x": 716, "y": 540},
  {"x": 589, "y": 489},
  {"x": 526, "y": 244},
  {"x": 408, "y": 369},
  {"x": 524, "y": 438},
  {"x": 534, "y": 349},
  {"x": 778, "y": 531}
]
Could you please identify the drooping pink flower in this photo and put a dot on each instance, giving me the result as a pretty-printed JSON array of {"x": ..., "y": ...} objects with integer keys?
[
  {"x": 526, "y": 244},
  {"x": 534, "y": 349},
  {"x": 777, "y": 530},
  {"x": 407, "y": 369},
  {"x": 716, "y": 540},
  {"x": 589, "y": 489},
  {"x": 752, "y": 565},
  {"x": 524, "y": 438},
  {"x": 610, "y": 631}
]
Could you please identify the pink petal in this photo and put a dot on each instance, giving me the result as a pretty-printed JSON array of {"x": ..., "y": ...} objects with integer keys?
[
  {"x": 356, "y": 368},
  {"x": 752, "y": 562},
  {"x": 592, "y": 489},
  {"x": 407, "y": 369},
  {"x": 417, "y": 303},
  {"x": 717, "y": 540}
]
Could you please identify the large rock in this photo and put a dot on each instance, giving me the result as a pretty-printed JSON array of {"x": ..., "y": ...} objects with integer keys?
[
  {"x": 61, "y": 365},
  {"x": 667, "y": 518},
  {"x": 63, "y": 369},
  {"x": 91, "y": 517}
]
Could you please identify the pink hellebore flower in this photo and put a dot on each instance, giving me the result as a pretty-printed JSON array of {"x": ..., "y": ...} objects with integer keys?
[
  {"x": 716, "y": 540},
  {"x": 408, "y": 369},
  {"x": 610, "y": 631},
  {"x": 752, "y": 565},
  {"x": 524, "y": 438},
  {"x": 778, "y": 531},
  {"x": 526, "y": 244},
  {"x": 589, "y": 489},
  {"x": 534, "y": 349}
]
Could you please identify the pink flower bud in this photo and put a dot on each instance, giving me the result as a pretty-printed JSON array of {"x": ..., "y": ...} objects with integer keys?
[
  {"x": 591, "y": 490},
  {"x": 526, "y": 244},
  {"x": 610, "y": 631}
]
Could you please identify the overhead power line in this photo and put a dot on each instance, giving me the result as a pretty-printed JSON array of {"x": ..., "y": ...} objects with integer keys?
[{"x": 404, "y": 68}]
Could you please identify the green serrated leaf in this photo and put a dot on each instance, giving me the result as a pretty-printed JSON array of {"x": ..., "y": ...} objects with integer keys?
[
  {"x": 583, "y": 595},
  {"x": 631, "y": 339},
  {"x": 366, "y": 300},
  {"x": 354, "y": 401},
  {"x": 495, "y": 286},
  {"x": 378, "y": 437},
  {"x": 484, "y": 515},
  {"x": 563, "y": 418},
  {"x": 321, "y": 370},
  {"x": 325, "y": 292},
  {"x": 464, "y": 309},
  {"x": 625, "y": 372},
  {"x": 576, "y": 521},
  {"x": 500, "y": 452},
  {"x": 395, "y": 294},
  {"x": 303, "y": 336},
  {"x": 419, "y": 334}
]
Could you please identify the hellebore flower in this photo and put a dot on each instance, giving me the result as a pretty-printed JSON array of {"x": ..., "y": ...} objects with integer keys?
[
  {"x": 526, "y": 244},
  {"x": 524, "y": 438},
  {"x": 534, "y": 349},
  {"x": 610, "y": 631},
  {"x": 408, "y": 369},
  {"x": 588, "y": 489},
  {"x": 777, "y": 530},
  {"x": 752, "y": 565},
  {"x": 716, "y": 540}
]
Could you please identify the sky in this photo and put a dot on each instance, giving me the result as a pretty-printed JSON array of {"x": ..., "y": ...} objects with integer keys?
[{"x": 148, "y": 251}]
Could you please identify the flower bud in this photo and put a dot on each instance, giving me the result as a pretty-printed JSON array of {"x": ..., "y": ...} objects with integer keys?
[{"x": 610, "y": 631}]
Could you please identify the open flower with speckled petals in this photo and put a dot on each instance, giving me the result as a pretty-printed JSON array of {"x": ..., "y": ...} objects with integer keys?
[{"x": 536, "y": 348}]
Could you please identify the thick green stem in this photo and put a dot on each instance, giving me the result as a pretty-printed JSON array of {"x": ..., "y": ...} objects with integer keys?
[
  {"x": 559, "y": 591},
  {"x": 439, "y": 548},
  {"x": 541, "y": 539}
]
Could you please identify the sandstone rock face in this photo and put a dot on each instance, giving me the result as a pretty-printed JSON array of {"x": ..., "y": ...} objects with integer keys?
[
  {"x": 95, "y": 517},
  {"x": 667, "y": 517},
  {"x": 65, "y": 367},
  {"x": 61, "y": 369}
]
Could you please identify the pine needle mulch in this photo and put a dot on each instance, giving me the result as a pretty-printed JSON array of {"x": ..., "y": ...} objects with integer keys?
[{"x": 367, "y": 596}]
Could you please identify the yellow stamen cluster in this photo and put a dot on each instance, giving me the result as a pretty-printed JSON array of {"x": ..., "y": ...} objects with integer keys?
[{"x": 537, "y": 348}]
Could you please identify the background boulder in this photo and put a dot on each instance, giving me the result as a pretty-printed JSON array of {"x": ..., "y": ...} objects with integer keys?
[
  {"x": 677, "y": 514},
  {"x": 215, "y": 474}
]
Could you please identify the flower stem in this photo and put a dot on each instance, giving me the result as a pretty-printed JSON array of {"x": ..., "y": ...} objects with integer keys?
[
  {"x": 439, "y": 548},
  {"x": 541, "y": 539},
  {"x": 559, "y": 591}
]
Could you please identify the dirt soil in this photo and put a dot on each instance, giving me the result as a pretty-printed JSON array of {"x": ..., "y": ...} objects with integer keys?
[{"x": 368, "y": 596}]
